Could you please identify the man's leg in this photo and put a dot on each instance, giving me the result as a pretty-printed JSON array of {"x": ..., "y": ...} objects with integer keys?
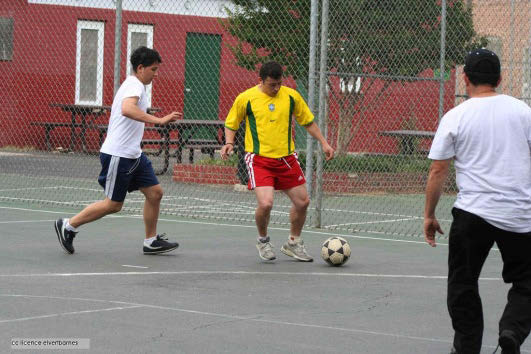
[
  {"x": 264, "y": 198},
  {"x": 95, "y": 211},
  {"x": 153, "y": 196},
  {"x": 66, "y": 229},
  {"x": 515, "y": 250},
  {"x": 299, "y": 205},
  {"x": 145, "y": 180},
  {"x": 470, "y": 241}
]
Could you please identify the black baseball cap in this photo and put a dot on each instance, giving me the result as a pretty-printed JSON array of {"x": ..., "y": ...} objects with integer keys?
[{"x": 483, "y": 63}]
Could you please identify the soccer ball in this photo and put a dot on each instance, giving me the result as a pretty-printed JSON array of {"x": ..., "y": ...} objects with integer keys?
[{"x": 335, "y": 251}]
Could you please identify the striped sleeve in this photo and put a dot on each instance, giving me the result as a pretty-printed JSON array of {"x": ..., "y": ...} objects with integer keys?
[{"x": 301, "y": 111}]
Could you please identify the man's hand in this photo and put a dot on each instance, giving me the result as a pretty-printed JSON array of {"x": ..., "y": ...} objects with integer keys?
[
  {"x": 226, "y": 150},
  {"x": 172, "y": 117},
  {"x": 328, "y": 151},
  {"x": 431, "y": 225}
]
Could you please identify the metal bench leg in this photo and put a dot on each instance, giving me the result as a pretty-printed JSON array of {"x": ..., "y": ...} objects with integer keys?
[
  {"x": 191, "y": 156},
  {"x": 47, "y": 137}
]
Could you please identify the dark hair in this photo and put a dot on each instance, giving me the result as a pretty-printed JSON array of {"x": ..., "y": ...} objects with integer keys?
[
  {"x": 144, "y": 56},
  {"x": 483, "y": 79},
  {"x": 482, "y": 67},
  {"x": 271, "y": 69}
]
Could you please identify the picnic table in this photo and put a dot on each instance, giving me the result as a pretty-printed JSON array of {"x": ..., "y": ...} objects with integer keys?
[{"x": 406, "y": 138}]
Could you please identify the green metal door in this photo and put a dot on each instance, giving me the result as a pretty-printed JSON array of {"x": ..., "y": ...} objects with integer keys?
[{"x": 201, "y": 83}]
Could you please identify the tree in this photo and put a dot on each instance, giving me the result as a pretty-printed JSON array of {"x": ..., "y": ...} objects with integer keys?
[{"x": 368, "y": 41}]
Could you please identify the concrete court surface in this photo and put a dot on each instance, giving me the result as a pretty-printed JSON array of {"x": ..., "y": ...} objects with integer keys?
[{"x": 214, "y": 295}]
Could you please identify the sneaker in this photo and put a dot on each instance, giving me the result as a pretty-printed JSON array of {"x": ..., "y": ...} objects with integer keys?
[
  {"x": 508, "y": 342},
  {"x": 160, "y": 245},
  {"x": 296, "y": 251},
  {"x": 265, "y": 250},
  {"x": 66, "y": 238}
]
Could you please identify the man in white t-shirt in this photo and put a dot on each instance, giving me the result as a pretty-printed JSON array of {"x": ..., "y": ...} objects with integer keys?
[
  {"x": 489, "y": 138},
  {"x": 125, "y": 168}
]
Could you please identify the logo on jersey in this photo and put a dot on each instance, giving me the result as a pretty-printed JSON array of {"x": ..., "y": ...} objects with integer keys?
[{"x": 271, "y": 107}]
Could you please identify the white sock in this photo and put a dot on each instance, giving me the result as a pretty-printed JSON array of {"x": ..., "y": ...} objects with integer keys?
[
  {"x": 262, "y": 239},
  {"x": 148, "y": 241},
  {"x": 70, "y": 227},
  {"x": 293, "y": 239}
]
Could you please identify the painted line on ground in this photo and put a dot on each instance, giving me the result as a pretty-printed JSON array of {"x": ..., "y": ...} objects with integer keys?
[
  {"x": 206, "y": 272},
  {"x": 68, "y": 314},
  {"x": 252, "y": 318},
  {"x": 239, "y": 225},
  {"x": 24, "y": 221}
]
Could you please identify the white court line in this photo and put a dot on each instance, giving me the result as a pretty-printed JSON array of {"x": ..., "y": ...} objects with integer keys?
[
  {"x": 51, "y": 187},
  {"x": 24, "y": 221},
  {"x": 253, "y": 318},
  {"x": 204, "y": 272},
  {"x": 68, "y": 313},
  {"x": 371, "y": 222},
  {"x": 133, "y": 266},
  {"x": 239, "y": 225}
]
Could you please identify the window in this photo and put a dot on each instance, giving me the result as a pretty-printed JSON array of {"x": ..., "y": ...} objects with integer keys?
[
  {"x": 137, "y": 36},
  {"x": 89, "y": 62},
  {"x": 6, "y": 38}
]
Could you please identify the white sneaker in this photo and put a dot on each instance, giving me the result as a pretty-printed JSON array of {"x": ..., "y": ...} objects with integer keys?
[
  {"x": 297, "y": 251},
  {"x": 265, "y": 250}
]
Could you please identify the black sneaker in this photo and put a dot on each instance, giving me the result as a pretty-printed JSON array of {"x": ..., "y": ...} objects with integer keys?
[
  {"x": 160, "y": 245},
  {"x": 508, "y": 342},
  {"x": 66, "y": 238}
]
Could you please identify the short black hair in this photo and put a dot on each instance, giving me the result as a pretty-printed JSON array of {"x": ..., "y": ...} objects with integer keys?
[
  {"x": 144, "y": 56},
  {"x": 482, "y": 67},
  {"x": 271, "y": 69}
]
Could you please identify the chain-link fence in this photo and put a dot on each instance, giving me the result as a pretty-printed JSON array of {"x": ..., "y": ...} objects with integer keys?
[{"x": 388, "y": 72}]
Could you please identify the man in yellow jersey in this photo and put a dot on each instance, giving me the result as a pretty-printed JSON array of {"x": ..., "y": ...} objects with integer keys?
[{"x": 270, "y": 153}]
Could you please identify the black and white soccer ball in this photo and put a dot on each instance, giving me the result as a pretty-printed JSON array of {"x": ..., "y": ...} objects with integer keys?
[{"x": 335, "y": 251}]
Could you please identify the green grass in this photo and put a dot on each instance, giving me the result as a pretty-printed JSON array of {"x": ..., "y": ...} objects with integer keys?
[{"x": 359, "y": 163}]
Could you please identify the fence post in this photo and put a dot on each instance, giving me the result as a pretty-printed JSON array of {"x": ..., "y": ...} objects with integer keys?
[
  {"x": 322, "y": 119},
  {"x": 117, "y": 45},
  {"x": 314, "y": 17},
  {"x": 442, "y": 66}
]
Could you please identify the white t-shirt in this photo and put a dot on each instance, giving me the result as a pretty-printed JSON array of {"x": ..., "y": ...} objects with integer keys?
[
  {"x": 125, "y": 134},
  {"x": 490, "y": 138}
]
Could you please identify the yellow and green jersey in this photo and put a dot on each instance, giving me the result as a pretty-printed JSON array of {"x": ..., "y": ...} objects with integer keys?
[{"x": 268, "y": 125}]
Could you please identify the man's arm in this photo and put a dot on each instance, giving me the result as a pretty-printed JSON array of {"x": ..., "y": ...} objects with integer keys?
[
  {"x": 313, "y": 130},
  {"x": 436, "y": 178},
  {"x": 227, "y": 149},
  {"x": 131, "y": 110}
]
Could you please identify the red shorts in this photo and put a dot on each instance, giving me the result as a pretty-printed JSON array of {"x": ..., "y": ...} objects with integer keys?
[{"x": 283, "y": 173}]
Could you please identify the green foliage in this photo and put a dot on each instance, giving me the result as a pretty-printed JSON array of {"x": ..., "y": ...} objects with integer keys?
[
  {"x": 231, "y": 161},
  {"x": 373, "y": 163},
  {"x": 365, "y": 36}
]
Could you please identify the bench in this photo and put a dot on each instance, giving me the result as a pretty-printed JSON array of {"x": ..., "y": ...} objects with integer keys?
[
  {"x": 407, "y": 139},
  {"x": 49, "y": 126},
  {"x": 206, "y": 146}
]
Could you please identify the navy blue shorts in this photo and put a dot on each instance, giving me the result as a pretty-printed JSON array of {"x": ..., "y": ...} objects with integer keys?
[{"x": 120, "y": 175}]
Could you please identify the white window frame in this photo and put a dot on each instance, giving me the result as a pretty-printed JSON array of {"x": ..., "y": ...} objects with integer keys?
[
  {"x": 100, "y": 27},
  {"x": 148, "y": 29}
]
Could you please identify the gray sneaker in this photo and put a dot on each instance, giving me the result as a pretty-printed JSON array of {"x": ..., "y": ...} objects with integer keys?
[
  {"x": 297, "y": 251},
  {"x": 265, "y": 250}
]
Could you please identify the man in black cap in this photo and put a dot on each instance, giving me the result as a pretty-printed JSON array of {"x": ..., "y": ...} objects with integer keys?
[{"x": 489, "y": 138}]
